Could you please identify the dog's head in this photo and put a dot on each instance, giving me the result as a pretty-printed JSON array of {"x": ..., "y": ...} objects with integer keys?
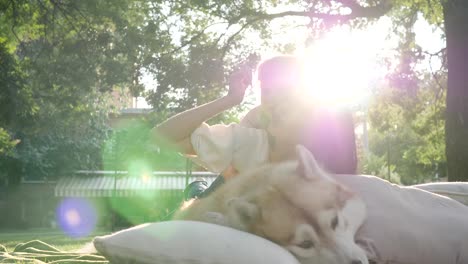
[{"x": 304, "y": 210}]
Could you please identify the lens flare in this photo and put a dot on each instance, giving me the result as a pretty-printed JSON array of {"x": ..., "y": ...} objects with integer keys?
[
  {"x": 77, "y": 217},
  {"x": 73, "y": 217},
  {"x": 145, "y": 177},
  {"x": 341, "y": 69}
]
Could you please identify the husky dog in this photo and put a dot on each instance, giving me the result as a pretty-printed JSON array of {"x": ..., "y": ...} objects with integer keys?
[{"x": 294, "y": 204}]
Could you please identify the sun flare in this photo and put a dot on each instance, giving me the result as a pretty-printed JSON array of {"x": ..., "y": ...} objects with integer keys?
[{"x": 340, "y": 68}]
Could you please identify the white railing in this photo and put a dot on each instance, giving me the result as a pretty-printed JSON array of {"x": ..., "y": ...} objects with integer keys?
[
  {"x": 123, "y": 173},
  {"x": 156, "y": 173}
]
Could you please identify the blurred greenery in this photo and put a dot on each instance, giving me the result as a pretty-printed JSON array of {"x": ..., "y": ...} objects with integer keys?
[
  {"x": 406, "y": 132},
  {"x": 62, "y": 60}
]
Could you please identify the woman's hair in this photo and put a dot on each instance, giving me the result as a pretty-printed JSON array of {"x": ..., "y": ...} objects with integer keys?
[
  {"x": 330, "y": 137},
  {"x": 283, "y": 68}
]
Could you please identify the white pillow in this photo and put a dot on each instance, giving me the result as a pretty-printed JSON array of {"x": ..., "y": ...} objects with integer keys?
[
  {"x": 189, "y": 242},
  {"x": 455, "y": 190},
  {"x": 409, "y": 225}
]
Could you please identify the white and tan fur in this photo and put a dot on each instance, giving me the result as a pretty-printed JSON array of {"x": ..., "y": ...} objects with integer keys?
[{"x": 294, "y": 204}]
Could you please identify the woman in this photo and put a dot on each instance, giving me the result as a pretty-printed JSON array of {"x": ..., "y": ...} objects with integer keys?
[{"x": 269, "y": 132}]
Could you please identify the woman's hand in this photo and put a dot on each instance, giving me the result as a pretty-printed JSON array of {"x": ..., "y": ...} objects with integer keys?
[
  {"x": 177, "y": 129},
  {"x": 238, "y": 83}
]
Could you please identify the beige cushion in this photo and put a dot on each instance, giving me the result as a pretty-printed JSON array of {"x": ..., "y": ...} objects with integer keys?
[
  {"x": 409, "y": 225},
  {"x": 455, "y": 190},
  {"x": 186, "y": 242}
]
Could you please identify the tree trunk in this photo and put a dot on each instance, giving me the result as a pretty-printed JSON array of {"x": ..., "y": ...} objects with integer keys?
[{"x": 456, "y": 126}]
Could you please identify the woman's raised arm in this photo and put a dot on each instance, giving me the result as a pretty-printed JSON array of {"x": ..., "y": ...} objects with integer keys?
[{"x": 177, "y": 129}]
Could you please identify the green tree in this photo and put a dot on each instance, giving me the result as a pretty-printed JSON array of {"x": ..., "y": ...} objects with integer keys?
[
  {"x": 54, "y": 74},
  {"x": 455, "y": 19},
  {"x": 60, "y": 60},
  {"x": 65, "y": 56},
  {"x": 407, "y": 131}
]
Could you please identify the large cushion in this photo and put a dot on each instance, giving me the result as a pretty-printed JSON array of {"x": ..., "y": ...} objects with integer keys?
[
  {"x": 455, "y": 190},
  {"x": 408, "y": 225},
  {"x": 189, "y": 242}
]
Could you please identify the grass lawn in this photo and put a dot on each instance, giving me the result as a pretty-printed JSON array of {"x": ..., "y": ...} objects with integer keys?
[{"x": 51, "y": 236}]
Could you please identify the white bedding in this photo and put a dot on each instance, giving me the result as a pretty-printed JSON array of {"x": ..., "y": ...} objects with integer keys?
[
  {"x": 408, "y": 225},
  {"x": 455, "y": 190}
]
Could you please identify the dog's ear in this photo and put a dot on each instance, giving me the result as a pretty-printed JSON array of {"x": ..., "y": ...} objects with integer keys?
[
  {"x": 344, "y": 195},
  {"x": 241, "y": 212},
  {"x": 308, "y": 166}
]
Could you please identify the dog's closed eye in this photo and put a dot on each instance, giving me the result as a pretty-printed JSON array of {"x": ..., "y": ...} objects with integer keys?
[
  {"x": 306, "y": 244},
  {"x": 334, "y": 222}
]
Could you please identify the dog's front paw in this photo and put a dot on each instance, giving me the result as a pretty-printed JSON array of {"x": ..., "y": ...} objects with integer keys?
[{"x": 215, "y": 218}]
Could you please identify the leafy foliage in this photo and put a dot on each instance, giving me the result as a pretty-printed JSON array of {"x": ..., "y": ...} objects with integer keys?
[
  {"x": 60, "y": 60},
  {"x": 6, "y": 144},
  {"x": 378, "y": 166},
  {"x": 407, "y": 130}
]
